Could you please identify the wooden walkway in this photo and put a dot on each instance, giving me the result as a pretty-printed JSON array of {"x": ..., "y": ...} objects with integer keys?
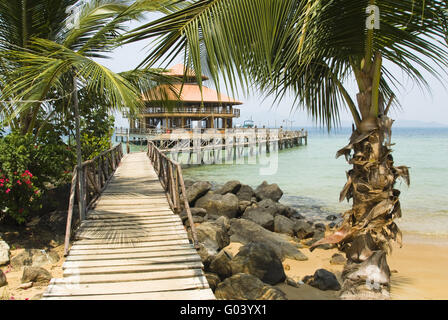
[{"x": 132, "y": 246}]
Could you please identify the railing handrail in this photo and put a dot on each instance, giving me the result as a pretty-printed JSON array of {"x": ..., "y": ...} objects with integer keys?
[
  {"x": 171, "y": 178},
  {"x": 97, "y": 173}
]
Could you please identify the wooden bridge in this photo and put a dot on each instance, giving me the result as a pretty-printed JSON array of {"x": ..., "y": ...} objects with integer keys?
[{"x": 131, "y": 244}]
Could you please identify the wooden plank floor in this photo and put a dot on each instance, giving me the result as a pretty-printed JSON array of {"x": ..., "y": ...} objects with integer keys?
[{"x": 132, "y": 246}]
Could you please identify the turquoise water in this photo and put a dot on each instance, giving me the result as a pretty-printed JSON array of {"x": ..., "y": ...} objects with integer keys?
[{"x": 311, "y": 178}]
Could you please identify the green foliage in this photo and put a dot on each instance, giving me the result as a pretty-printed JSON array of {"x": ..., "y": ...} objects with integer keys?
[
  {"x": 29, "y": 165},
  {"x": 308, "y": 48}
]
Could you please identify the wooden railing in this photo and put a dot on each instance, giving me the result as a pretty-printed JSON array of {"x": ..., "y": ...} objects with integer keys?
[
  {"x": 96, "y": 174},
  {"x": 170, "y": 176}
]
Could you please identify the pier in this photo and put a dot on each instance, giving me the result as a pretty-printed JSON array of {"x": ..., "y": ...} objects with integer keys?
[
  {"x": 213, "y": 144},
  {"x": 132, "y": 243}
]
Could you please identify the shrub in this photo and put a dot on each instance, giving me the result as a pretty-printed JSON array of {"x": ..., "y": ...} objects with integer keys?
[{"x": 30, "y": 165}]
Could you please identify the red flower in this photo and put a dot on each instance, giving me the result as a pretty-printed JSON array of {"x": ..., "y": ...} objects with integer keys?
[{"x": 8, "y": 190}]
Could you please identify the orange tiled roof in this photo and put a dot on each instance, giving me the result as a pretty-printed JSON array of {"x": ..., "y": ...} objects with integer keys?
[{"x": 189, "y": 92}]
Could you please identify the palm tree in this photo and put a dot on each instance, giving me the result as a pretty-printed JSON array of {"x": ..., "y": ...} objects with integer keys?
[
  {"x": 48, "y": 61},
  {"x": 313, "y": 48}
]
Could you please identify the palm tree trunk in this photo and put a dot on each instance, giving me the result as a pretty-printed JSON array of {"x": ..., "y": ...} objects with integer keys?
[
  {"x": 370, "y": 221},
  {"x": 78, "y": 152}
]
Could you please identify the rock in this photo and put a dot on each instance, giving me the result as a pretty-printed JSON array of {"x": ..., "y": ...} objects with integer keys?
[
  {"x": 26, "y": 285},
  {"x": 232, "y": 186},
  {"x": 219, "y": 205},
  {"x": 276, "y": 208},
  {"x": 42, "y": 257},
  {"x": 243, "y": 286},
  {"x": 224, "y": 222},
  {"x": 283, "y": 225},
  {"x": 22, "y": 259},
  {"x": 4, "y": 253},
  {"x": 317, "y": 235},
  {"x": 259, "y": 260},
  {"x": 320, "y": 226},
  {"x": 3, "y": 280},
  {"x": 36, "y": 274},
  {"x": 34, "y": 257},
  {"x": 243, "y": 205},
  {"x": 212, "y": 235},
  {"x": 303, "y": 229},
  {"x": 221, "y": 265},
  {"x": 206, "y": 254},
  {"x": 338, "y": 259},
  {"x": 331, "y": 217},
  {"x": 212, "y": 279},
  {"x": 196, "y": 219},
  {"x": 197, "y": 190},
  {"x": 245, "y": 193},
  {"x": 260, "y": 217},
  {"x": 200, "y": 212},
  {"x": 332, "y": 225},
  {"x": 188, "y": 183},
  {"x": 268, "y": 191},
  {"x": 245, "y": 231},
  {"x": 323, "y": 280}
]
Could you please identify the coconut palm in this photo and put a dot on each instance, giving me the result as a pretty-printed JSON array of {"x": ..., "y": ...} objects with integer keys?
[
  {"x": 313, "y": 48},
  {"x": 47, "y": 62}
]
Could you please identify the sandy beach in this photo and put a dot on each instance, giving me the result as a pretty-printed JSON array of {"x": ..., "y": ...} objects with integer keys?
[{"x": 419, "y": 270}]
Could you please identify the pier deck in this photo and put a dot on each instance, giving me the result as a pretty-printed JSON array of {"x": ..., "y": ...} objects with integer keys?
[{"x": 132, "y": 245}]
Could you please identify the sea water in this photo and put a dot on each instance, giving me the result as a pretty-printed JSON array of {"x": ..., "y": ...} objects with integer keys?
[{"x": 312, "y": 178}]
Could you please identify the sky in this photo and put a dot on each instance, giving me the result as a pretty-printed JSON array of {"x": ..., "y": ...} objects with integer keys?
[{"x": 418, "y": 108}]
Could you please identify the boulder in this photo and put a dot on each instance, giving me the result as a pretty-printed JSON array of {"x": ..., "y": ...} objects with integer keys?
[
  {"x": 34, "y": 257},
  {"x": 317, "y": 235},
  {"x": 260, "y": 217},
  {"x": 224, "y": 222},
  {"x": 197, "y": 190},
  {"x": 245, "y": 193},
  {"x": 338, "y": 259},
  {"x": 35, "y": 274},
  {"x": 268, "y": 191},
  {"x": 206, "y": 254},
  {"x": 42, "y": 257},
  {"x": 196, "y": 219},
  {"x": 283, "y": 224},
  {"x": 331, "y": 217},
  {"x": 221, "y": 265},
  {"x": 3, "y": 280},
  {"x": 22, "y": 259},
  {"x": 243, "y": 205},
  {"x": 200, "y": 212},
  {"x": 212, "y": 279},
  {"x": 243, "y": 286},
  {"x": 188, "y": 183},
  {"x": 245, "y": 231},
  {"x": 232, "y": 186},
  {"x": 4, "y": 253},
  {"x": 323, "y": 280},
  {"x": 212, "y": 235},
  {"x": 259, "y": 260},
  {"x": 302, "y": 229},
  {"x": 219, "y": 205},
  {"x": 276, "y": 208}
]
